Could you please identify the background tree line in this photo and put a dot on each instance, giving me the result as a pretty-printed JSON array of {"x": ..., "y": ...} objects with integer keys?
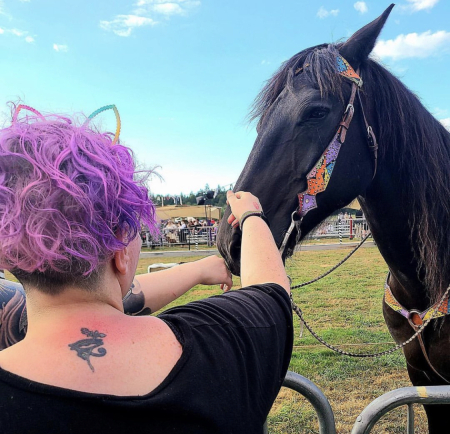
[{"x": 190, "y": 199}]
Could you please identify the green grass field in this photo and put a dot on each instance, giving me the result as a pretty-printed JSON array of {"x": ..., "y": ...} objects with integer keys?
[{"x": 345, "y": 308}]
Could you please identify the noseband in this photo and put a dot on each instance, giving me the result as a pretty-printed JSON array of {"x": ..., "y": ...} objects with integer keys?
[{"x": 319, "y": 177}]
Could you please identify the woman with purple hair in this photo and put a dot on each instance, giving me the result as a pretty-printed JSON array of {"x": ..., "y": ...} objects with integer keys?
[{"x": 71, "y": 206}]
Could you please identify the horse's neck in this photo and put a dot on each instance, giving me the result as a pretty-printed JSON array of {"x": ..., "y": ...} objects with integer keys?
[{"x": 388, "y": 214}]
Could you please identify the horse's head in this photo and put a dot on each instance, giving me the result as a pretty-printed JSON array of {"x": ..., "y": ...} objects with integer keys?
[{"x": 300, "y": 111}]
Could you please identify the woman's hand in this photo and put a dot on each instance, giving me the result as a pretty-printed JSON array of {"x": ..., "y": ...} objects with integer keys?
[
  {"x": 240, "y": 203},
  {"x": 214, "y": 271}
]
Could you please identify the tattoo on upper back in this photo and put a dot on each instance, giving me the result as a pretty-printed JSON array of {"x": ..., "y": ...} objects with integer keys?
[
  {"x": 85, "y": 347},
  {"x": 134, "y": 303},
  {"x": 13, "y": 313}
]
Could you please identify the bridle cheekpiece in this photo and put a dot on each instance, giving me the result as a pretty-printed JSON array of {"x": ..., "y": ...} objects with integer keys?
[{"x": 319, "y": 176}]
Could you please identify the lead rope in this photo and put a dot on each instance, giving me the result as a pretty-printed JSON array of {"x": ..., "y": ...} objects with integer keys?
[
  {"x": 299, "y": 312},
  {"x": 301, "y": 285}
]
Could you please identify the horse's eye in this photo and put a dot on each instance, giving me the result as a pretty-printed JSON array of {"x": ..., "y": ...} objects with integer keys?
[{"x": 318, "y": 113}]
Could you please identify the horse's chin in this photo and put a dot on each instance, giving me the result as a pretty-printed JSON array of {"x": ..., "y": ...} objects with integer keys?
[
  {"x": 231, "y": 253},
  {"x": 289, "y": 251}
]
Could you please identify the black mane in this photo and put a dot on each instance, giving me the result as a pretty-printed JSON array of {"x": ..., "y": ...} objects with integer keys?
[{"x": 409, "y": 137}]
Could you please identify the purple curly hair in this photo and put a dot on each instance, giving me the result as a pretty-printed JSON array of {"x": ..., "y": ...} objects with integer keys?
[{"x": 69, "y": 200}]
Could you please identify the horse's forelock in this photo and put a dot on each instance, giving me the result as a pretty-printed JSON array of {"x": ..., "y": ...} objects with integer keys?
[{"x": 321, "y": 73}]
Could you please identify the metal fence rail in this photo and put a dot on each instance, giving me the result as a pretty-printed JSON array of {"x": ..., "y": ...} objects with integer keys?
[
  {"x": 342, "y": 228},
  {"x": 191, "y": 237},
  {"x": 316, "y": 398},
  {"x": 404, "y": 396}
]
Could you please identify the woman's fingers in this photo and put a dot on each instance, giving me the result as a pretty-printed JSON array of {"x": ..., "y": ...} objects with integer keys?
[
  {"x": 228, "y": 282},
  {"x": 233, "y": 221},
  {"x": 240, "y": 203}
]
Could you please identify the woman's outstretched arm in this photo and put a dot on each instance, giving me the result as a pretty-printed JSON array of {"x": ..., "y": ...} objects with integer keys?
[
  {"x": 260, "y": 259},
  {"x": 153, "y": 291},
  {"x": 150, "y": 293}
]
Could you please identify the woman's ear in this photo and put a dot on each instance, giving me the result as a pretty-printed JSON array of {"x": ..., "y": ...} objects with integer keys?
[{"x": 121, "y": 260}]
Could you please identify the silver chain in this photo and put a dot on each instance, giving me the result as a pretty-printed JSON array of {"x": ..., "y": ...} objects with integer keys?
[
  {"x": 301, "y": 285},
  {"x": 299, "y": 312}
]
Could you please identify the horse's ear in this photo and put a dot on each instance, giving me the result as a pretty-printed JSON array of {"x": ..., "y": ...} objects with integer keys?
[{"x": 358, "y": 47}]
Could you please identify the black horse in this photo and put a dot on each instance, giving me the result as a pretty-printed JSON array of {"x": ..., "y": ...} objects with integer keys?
[{"x": 403, "y": 187}]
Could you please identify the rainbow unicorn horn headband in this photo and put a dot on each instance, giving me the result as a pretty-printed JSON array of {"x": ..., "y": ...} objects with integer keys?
[
  {"x": 343, "y": 68},
  {"x": 90, "y": 117},
  {"x": 25, "y": 107},
  {"x": 116, "y": 112}
]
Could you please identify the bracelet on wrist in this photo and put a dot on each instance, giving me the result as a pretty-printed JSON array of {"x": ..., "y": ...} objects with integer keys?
[{"x": 248, "y": 214}]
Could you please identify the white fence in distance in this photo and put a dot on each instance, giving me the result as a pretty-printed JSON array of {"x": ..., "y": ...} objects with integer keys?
[
  {"x": 342, "y": 228},
  {"x": 191, "y": 237}
]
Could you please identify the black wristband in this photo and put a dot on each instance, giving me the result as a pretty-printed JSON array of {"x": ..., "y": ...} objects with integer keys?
[{"x": 248, "y": 214}]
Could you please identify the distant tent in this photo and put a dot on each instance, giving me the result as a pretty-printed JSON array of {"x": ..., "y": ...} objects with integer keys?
[
  {"x": 184, "y": 211},
  {"x": 354, "y": 205}
]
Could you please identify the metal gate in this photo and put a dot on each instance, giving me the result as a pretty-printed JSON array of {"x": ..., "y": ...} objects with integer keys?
[
  {"x": 317, "y": 399},
  {"x": 374, "y": 411},
  {"x": 404, "y": 396}
]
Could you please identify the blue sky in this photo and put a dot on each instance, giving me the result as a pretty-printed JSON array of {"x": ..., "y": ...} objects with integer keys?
[{"x": 183, "y": 73}]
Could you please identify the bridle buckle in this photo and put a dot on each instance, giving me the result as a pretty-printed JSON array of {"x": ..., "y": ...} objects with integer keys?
[{"x": 349, "y": 107}]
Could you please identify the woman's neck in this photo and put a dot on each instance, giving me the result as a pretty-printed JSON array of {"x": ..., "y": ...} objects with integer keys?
[{"x": 44, "y": 311}]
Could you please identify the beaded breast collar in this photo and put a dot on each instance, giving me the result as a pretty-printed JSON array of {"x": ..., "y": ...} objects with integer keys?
[{"x": 415, "y": 316}]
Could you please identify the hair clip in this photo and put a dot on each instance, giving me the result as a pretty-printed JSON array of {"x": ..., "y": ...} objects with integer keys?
[
  {"x": 116, "y": 112},
  {"x": 25, "y": 107}
]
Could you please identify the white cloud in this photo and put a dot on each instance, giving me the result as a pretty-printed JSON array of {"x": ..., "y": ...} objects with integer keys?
[
  {"x": 145, "y": 13},
  {"x": 169, "y": 9},
  {"x": 123, "y": 25},
  {"x": 361, "y": 7},
  {"x": 165, "y": 7},
  {"x": 419, "y": 5},
  {"x": 60, "y": 48},
  {"x": 446, "y": 123},
  {"x": 323, "y": 13},
  {"x": 440, "y": 112},
  {"x": 3, "y": 11},
  {"x": 17, "y": 32},
  {"x": 413, "y": 45}
]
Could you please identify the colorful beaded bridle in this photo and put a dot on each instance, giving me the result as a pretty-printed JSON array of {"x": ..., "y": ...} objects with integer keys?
[{"x": 319, "y": 177}]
